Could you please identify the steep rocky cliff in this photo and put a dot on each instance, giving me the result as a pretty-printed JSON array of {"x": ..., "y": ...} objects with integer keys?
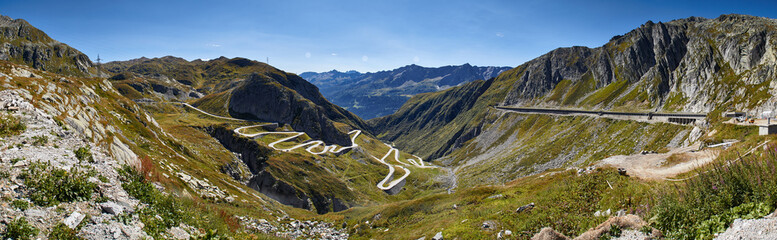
[
  {"x": 290, "y": 99},
  {"x": 372, "y": 95},
  {"x": 693, "y": 65},
  {"x": 24, "y": 44},
  {"x": 277, "y": 186},
  {"x": 687, "y": 65}
]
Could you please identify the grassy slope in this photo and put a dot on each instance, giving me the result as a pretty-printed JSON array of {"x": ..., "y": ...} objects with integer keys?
[
  {"x": 555, "y": 206},
  {"x": 564, "y": 200},
  {"x": 201, "y": 159},
  {"x": 523, "y": 143}
]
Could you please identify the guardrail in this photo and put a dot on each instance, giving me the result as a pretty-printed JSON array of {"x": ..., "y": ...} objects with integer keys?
[{"x": 648, "y": 115}]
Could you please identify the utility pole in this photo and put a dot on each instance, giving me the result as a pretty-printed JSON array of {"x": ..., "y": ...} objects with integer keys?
[{"x": 99, "y": 70}]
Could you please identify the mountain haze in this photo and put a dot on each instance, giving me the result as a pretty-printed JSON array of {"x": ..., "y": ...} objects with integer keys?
[{"x": 372, "y": 95}]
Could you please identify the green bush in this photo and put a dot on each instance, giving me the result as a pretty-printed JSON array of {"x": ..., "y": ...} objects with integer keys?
[
  {"x": 20, "y": 204},
  {"x": 615, "y": 231},
  {"x": 163, "y": 211},
  {"x": 62, "y": 232},
  {"x": 84, "y": 154},
  {"x": 10, "y": 125},
  {"x": 40, "y": 140},
  {"x": 20, "y": 229},
  {"x": 49, "y": 186},
  {"x": 708, "y": 203}
]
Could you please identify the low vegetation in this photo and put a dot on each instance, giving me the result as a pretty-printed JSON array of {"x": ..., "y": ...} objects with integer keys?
[
  {"x": 20, "y": 229},
  {"x": 741, "y": 187},
  {"x": 84, "y": 154},
  {"x": 63, "y": 232},
  {"x": 49, "y": 186},
  {"x": 164, "y": 211},
  {"x": 10, "y": 125},
  {"x": 565, "y": 201},
  {"x": 40, "y": 140}
]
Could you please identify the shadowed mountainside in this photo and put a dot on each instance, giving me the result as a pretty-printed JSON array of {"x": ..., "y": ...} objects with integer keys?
[{"x": 238, "y": 87}]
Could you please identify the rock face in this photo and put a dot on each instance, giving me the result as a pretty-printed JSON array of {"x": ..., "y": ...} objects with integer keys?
[
  {"x": 371, "y": 95},
  {"x": 686, "y": 65},
  {"x": 22, "y": 43},
  {"x": 290, "y": 100},
  {"x": 426, "y": 115},
  {"x": 276, "y": 187},
  {"x": 57, "y": 153}
]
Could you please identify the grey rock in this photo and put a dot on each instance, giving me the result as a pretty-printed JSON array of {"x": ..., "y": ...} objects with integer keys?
[
  {"x": 112, "y": 208},
  {"x": 438, "y": 236},
  {"x": 178, "y": 233},
  {"x": 34, "y": 213},
  {"x": 74, "y": 219},
  {"x": 525, "y": 207}
]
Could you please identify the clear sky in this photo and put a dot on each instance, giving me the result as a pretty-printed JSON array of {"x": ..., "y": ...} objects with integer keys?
[{"x": 363, "y": 35}]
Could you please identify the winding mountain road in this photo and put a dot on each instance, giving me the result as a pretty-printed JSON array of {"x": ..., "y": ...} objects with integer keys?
[{"x": 389, "y": 184}]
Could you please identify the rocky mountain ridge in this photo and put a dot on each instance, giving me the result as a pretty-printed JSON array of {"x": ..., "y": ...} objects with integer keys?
[
  {"x": 371, "y": 95},
  {"x": 237, "y": 87},
  {"x": 687, "y": 65},
  {"x": 22, "y": 43}
]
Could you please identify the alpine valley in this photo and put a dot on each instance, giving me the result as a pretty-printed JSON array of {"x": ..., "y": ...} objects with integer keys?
[{"x": 654, "y": 135}]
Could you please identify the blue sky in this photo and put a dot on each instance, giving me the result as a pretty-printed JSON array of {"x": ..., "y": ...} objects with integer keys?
[{"x": 366, "y": 35}]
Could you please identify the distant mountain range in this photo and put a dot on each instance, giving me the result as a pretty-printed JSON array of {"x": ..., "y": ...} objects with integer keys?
[{"x": 371, "y": 95}]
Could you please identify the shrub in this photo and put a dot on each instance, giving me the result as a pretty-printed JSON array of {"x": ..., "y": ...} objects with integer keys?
[
  {"x": 49, "y": 186},
  {"x": 20, "y": 229},
  {"x": 84, "y": 154},
  {"x": 163, "y": 211},
  {"x": 4, "y": 174},
  {"x": 10, "y": 125},
  {"x": 62, "y": 232},
  {"x": 20, "y": 204},
  {"x": 40, "y": 140}
]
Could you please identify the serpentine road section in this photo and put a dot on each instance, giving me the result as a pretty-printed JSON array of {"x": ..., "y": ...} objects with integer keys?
[{"x": 391, "y": 187}]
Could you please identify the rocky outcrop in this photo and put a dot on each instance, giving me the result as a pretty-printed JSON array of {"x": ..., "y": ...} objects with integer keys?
[
  {"x": 123, "y": 154},
  {"x": 687, "y": 65},
  {"x": 630, "y": 224},
  {"x": 22, "y": 43},
  {"x": 426, "y": 116},
  {"x": 371, "y": 95},
  {"x": 239, "y": 87},
  {"x": 265, "y": 183},
  {"x": 255, "y": 157},
  {"x": 290, "y": 100}
]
